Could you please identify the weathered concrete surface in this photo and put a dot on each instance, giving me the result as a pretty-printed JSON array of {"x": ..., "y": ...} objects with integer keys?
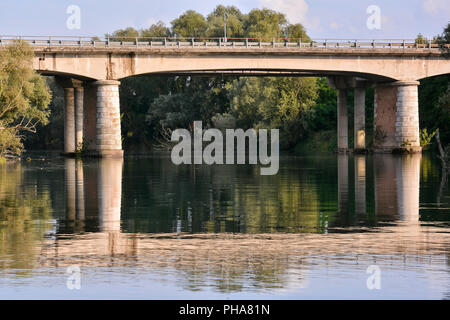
[
  {"x": 342, "y": 114},
  {"x": 117, "y": 63},
  {"x": 79, "y": 117},
  {"x": 109, "y": 139},
  {"x": 385, "y": 107},
  {"x": 360, "y": 118},
  {"x": 90, "y": 119},
  {"x": 69, "y": 121},
  {"x": 396, "y": 117},
  {"x": 407, "y": 116}
]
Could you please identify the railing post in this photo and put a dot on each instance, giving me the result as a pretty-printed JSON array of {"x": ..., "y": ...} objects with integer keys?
[
  {"x": 107, "y": 41},
  {"x": 192, "y": 40},
  {"x": 137, "y": 42},
  {"x": 246, "y": 42},
  {"x": 165, "y": 42},
  {"x": 220, "y": 42},
  {"x": 49, "y": 41}
]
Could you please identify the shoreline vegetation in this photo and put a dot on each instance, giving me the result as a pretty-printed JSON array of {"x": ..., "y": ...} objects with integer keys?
[{"x": 302, "y": 108}]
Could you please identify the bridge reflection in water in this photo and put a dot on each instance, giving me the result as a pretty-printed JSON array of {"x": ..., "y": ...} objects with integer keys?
[
  {"x": 226, "y": 228},
  {"x": 397, "y": 186},
  {"x": 233, "y": 261}
]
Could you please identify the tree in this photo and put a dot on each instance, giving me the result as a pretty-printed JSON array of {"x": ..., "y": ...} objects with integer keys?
[
  {"x": 297, "y": 32},
  {"x": 157, "y": 30},
  {"x": 123, "y": 34},
  {"x": 444, "y": 40},
  {"x": 192, "y": 99},
  {"x": 269, "y": 102},
  {"x": 234, "y": 22},
  {"x": 189, "y": 24},
  {"x": 24, "y": 98},
  {"x": 265, "y": 24}
]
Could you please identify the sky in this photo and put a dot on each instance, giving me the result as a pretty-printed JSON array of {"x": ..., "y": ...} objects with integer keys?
[{"x": 323, "y": 19}]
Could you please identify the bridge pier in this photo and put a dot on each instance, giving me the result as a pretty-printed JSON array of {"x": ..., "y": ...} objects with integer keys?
[
  {"x": 73, "y": 114},
  {"x": 108, "y": 137},
  {"x": 343, "y": 84},
  {"x": 69, "y": 121},
  {"x": 342, "y": 121},
  {"x": 396, "y": 117},
  {"x": 360, "y": 115},
  {"x": 79, "y": 117}
]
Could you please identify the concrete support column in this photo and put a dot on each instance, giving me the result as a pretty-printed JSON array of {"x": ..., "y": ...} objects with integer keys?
[
  {"x": 396, "y": 117},
  {"x": 69, "y": 121},
  {"x": 407, "y": 116},
  {"x": 360, "y": 118},
  {"x": 79, "y": 117},
  {"x": 342, "y": 115},
  {"x": 109, "y": 140},
  {"x": 90, "y": 117}
]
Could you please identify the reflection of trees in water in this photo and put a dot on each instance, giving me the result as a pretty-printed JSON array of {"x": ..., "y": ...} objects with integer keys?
[
  {"x": 25, "y": 211},
  {"x": 220, "y": 198}
]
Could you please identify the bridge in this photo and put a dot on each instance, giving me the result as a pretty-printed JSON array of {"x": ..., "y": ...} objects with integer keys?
[{"x": 90, "y": 70}]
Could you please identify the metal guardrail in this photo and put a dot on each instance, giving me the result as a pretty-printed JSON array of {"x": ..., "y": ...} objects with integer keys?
[{"x": 253, "y": 43}]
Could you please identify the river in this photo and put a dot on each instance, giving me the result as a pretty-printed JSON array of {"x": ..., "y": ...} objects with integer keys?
[{"x": 364, "y": 227}]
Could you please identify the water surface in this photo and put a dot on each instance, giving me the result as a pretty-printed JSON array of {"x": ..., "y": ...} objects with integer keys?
[{"x": 143, "y": 228}]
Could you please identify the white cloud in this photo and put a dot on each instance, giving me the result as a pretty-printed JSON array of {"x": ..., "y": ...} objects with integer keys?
[
  {"x": 295, "y": 10},
  {"x": 435, "y": 7}
]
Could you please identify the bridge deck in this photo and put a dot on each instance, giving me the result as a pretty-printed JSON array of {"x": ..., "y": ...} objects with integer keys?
[{"x": 341, "y": 46}]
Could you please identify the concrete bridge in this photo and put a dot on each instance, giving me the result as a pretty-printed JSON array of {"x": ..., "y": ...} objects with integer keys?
[{"x": 90, "y": 72}]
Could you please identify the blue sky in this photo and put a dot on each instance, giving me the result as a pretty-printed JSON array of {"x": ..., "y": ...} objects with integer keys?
[{"x": 322, "y": 18}]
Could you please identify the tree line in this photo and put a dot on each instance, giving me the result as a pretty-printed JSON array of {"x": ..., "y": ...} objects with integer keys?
[{"x": 303, "y": 108}]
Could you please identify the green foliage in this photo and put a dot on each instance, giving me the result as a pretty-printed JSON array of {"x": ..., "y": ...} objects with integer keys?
[
  {"x": 420, "y": 39},
  {"x": 265, "y": 24},
  {"x": 297, "y": 32},
  {"x": 234, "y": 21},
  {"x": 324, "y": 114},
  {"x": 444, "y": 39},
  {"x": 24, "y": 98},
  {"x": 425, "y": 137},
  {"x": 434, "y": 105},
  {"x": 190, "y": 24},
  {"x": 50, "y": 136},
  {"x": 124, "y": 34},
  {"x": 193, "y": 99},
  {"x": 157, "y": 30},
  {"x": 282, "y": 103}
]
